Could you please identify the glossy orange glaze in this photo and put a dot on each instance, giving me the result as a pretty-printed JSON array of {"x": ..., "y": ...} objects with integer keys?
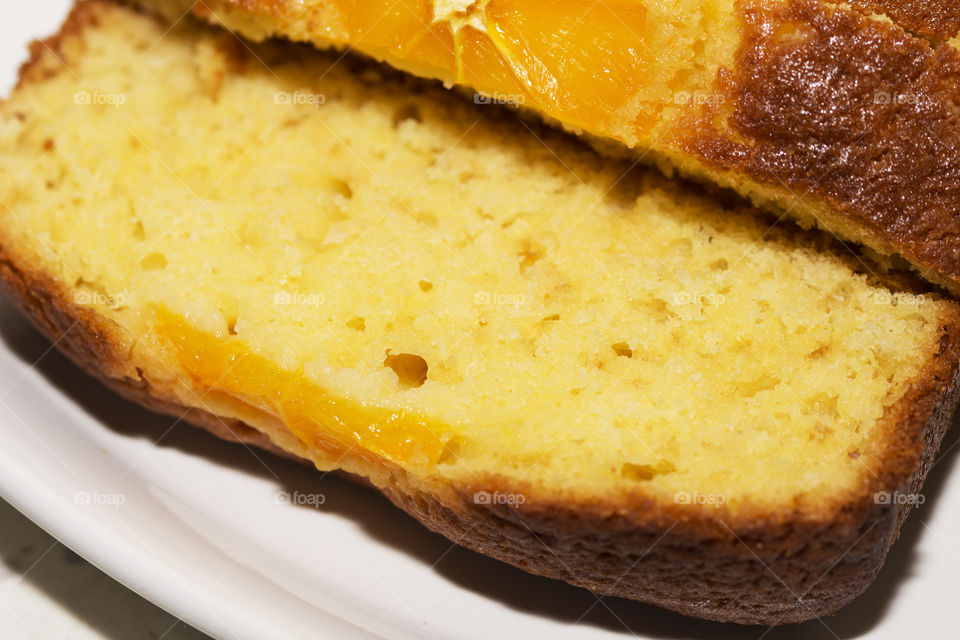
[
  {"x": 400, "y": 30},
  {"x": 482, "y": 66},
  {"x": 575, "y": 60},
  {"x": 580, "y": 61},
  {"x": 224, "y": 364}
]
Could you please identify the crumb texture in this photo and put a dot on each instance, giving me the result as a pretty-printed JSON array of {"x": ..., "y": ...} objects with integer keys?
[
  {"x": 435, "y": 284},
  {"x": 860, "y": 98}
]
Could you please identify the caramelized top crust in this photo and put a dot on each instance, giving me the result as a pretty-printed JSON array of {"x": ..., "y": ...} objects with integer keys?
[
  {"x": 939, "y": 20},
  {"x": 851, "y": 111}
]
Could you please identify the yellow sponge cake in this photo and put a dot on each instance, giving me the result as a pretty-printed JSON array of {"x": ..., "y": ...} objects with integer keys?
[{"x": 548, "y": 357}]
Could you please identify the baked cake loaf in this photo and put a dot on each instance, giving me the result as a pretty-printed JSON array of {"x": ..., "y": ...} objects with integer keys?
[
  {"x": 839, "y": 115},
  {"x": 594, "y": 374}
]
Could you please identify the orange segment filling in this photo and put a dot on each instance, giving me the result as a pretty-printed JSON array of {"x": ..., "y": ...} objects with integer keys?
[
  {"x": 404, "y": 30},
  {"x": 482, "y": 67},
  {"x": 224, "y": 364},
  {"x": 435, "y": 48},
  {"x": 580, "y": 60},
  {"x": 386, "y": 24}
]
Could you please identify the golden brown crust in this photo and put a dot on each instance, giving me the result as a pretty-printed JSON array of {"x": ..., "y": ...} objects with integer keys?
[
  {"x": 849, "y": 112},
  {"x": 938, "y": 19},
  {"x": 748, "y": 568},
  {"x": 40, "y": 64}
]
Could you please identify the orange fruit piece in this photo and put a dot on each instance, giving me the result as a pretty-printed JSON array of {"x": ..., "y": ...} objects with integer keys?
[
  {"x": 580, "y": 60},
  {"x": 585, "y": 63},
  {"x": 228, "y": 370}
]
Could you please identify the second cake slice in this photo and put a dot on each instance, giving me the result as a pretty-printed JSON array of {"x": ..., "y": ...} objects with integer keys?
[{"x": 594, "y": 374}]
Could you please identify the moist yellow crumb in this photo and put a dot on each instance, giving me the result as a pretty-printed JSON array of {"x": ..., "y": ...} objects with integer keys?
[{"x": 437, "y": 283}]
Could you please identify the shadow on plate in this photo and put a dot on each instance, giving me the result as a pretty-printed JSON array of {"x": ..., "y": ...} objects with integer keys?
[
  {"x": 70, "y": 583},
  {"x": 510, "y": 586}
]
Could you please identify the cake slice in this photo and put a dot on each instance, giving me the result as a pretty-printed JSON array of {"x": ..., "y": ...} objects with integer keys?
[
  {"x": 592, "y": 373},
  {"x": 840, "y": 115}
]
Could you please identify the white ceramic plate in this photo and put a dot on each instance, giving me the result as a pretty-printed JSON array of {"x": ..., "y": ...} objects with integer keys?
[{"x": 196, "y": 525}]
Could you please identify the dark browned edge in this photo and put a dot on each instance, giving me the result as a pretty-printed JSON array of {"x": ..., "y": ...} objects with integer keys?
[
  {"x": 937, "y": 19},
  {"x": 827, "y": 105},
  {"x": 748, "y": 567}
]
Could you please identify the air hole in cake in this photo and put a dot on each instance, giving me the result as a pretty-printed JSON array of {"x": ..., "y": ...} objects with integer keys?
[
  {"x": 410, "y": 368},
  {"x": 425, "y": 286},
  {"x": 232, "y": 325},
  {"x": 531, "y": 252},
  {"x": 424, "y": 217},
  {"x": 357, "y": 323},
  {"x": 506, "y": 224},
  {"x": 153, "y": 262},
  {"x": 763, "y": 382},
  {"x": 643, "y": 472},
  {"x": 342, "y": 187},
  {"x": 819, "y": 352},
  {"x": 138, "y": 231},
  {"x": 622, "y": 349},
  {"x": 657, "y": 308},
  {"x": 719, "y": 265}
]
